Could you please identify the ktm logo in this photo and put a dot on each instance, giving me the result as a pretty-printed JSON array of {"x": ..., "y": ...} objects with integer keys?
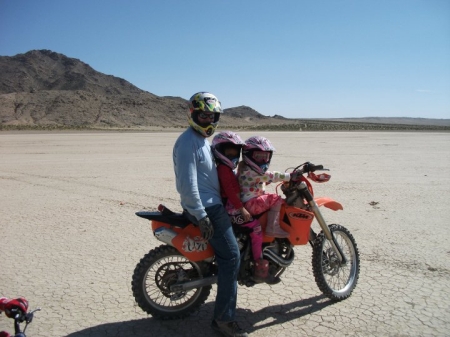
[{"x": 302, "y": 216}]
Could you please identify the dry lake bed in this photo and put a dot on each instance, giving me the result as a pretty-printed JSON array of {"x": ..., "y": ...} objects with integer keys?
[{"x": 69, "y": 239}]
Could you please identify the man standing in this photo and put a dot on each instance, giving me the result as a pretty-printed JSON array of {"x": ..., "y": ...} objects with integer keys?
[{"x": 198, "y": 185}]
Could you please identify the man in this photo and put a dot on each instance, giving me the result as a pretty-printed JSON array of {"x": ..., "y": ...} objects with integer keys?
[{"x": 198, "y": 185}]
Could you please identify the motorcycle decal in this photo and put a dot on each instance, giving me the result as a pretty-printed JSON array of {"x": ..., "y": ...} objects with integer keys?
[
  {"x": 237, "y": 219},
  {"x": 299, "y": 215},
  {"x": 190, "y": 243},
  {"x": 196, "y": 244}
]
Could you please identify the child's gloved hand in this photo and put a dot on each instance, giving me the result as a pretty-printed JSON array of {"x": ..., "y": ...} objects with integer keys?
[
  {"x": 296, "y": 176},
  {"x": 245, "y": 214}
]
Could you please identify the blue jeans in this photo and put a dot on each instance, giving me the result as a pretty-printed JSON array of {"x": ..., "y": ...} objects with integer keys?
[{"x": 228, "y": 259}]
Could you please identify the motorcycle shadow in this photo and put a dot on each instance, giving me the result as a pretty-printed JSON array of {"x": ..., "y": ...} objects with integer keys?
[
  {"x": 199, "y": 323},
  {"x": 282, "y": 313}
]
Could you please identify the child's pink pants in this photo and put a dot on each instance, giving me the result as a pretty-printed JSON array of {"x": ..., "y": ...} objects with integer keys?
[
  {"x": 256, "y": 206},
  {"x": 256, "y": 238},
  {"x": 263, "y": 203}
]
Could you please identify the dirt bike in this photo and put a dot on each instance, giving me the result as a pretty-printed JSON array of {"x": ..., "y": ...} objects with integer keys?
[
  {"x": 175, "y": 279},
  {"x": 19, "y": 318}
]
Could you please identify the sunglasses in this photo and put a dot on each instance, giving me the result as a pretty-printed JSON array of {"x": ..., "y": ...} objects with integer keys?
[
  {"x": 203, "y": 115},
  {"x": 261, "y": 156}
]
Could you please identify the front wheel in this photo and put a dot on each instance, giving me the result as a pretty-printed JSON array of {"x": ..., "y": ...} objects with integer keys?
[
  {"x": 335, "y": 280},
  {"x": 157, "y": 272}
]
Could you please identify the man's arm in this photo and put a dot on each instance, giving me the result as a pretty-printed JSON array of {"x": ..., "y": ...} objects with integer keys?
[{"x": 185, "y": 166}]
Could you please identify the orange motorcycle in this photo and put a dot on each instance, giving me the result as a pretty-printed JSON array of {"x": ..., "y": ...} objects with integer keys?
[{"x": 175, "y": 279}]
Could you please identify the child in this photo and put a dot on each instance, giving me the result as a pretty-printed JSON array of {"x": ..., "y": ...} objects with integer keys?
[
  {"x": 226, "y": 147},
  {"x": 253, "y": 176}
]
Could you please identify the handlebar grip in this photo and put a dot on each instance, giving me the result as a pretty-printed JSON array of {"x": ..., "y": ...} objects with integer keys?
[{"x": 309, "y": 167}]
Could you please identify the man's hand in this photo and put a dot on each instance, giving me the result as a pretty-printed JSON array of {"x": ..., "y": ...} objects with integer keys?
[{"x": 206, "y": 228}]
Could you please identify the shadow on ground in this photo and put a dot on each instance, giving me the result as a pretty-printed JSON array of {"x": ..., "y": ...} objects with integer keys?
[{"x": 199, "y": 323}]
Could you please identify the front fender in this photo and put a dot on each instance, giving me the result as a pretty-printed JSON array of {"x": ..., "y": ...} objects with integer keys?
[{"x": 328, "y": 203}]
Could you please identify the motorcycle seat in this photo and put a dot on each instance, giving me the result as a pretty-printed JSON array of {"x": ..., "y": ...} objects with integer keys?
[{"x": 174, "y": 219}]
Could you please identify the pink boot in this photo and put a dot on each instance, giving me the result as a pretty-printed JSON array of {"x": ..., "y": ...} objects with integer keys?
[
  {"x": 261, "y": 273},
  {"x": 256, "y": 238},
  {"x": 273, "y": 223}
]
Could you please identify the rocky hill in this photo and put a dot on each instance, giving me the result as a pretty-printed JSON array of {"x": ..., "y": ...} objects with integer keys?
[{"x": 44, "y": 89}]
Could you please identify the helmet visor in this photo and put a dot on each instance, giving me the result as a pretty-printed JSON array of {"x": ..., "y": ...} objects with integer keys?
[
  {"x": 206, "y": 115},
  {"x": 204, "y": 119},
  {"x": 262, "y": 157}
]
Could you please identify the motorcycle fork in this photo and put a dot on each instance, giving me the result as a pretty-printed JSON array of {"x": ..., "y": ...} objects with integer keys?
[{"x": 326, "y": 230}]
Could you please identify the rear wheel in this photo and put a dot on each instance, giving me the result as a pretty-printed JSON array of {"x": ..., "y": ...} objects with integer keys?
[
  {"x": 335, "y": 280},
  {"x": 156, "y": 272}
]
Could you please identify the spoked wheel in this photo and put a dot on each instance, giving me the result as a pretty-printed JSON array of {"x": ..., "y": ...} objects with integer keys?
[
  {"x": 156, "y": 272},
  {"x": 335, "y": 280}
]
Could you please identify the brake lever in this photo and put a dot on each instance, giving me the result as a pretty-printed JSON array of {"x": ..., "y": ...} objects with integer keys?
[{"x": 30, "y": 315}]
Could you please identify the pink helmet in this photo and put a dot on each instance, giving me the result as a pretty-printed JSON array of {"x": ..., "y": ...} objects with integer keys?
[
  {"x": 257, "y": 153},
  {"x": 226, "y": 140}
]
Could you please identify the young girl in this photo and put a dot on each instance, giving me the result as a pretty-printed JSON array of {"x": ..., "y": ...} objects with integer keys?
[
  {"x": 226, "y": 147},
  {"x": 253, "y": 177}
]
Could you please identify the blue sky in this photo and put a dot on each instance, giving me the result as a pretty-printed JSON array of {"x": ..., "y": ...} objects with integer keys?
[{"x": 295, "y": 58}]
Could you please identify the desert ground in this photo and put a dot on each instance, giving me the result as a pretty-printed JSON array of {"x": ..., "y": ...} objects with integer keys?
[{"x": 69, "y": 238}]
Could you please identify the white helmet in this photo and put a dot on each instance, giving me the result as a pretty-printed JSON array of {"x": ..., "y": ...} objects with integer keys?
[{"x": 200, "y": 103}]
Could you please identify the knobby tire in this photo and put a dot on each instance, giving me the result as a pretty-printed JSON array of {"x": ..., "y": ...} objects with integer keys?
[
  {"x": 154, "y": 274},
  {"x": 336, "y": 281}
]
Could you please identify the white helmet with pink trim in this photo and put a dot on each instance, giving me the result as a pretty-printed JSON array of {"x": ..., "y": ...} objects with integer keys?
[
  {"x": 257, "y": 153},
  {"x": 226, "y": 147}
]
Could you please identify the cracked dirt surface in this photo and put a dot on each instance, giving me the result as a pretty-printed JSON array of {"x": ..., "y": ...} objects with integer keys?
[{"x": 69, "y": 239}]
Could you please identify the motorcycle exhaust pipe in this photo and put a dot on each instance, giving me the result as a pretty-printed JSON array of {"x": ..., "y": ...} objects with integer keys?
[
  {"x": 189, "y": 285},
  {"x": 269, "y": 254}
]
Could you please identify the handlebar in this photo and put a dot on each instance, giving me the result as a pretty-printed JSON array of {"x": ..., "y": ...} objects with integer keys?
[
  {"x": 20, "y": 318},
  {"x": 299, "y": 187},
  {"x": 313, "y": 168},
  {"x": 309, "y": 167}
]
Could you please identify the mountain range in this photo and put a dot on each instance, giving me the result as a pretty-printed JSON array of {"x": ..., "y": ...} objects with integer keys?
[{"x": 43, "y": 89}]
